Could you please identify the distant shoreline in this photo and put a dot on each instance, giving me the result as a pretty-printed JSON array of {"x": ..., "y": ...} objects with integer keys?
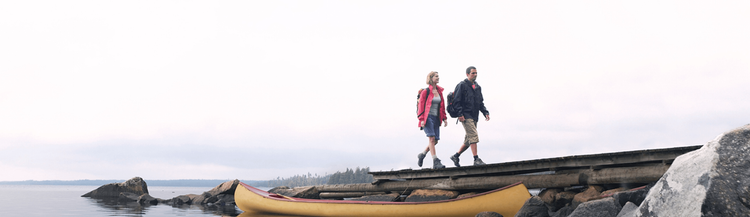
[{"x": 176, "y": 182}]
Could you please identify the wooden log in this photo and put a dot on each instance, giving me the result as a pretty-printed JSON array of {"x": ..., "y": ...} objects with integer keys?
[
  {"x": 619, "y": 175},
  {"x": 326, "y": 195}
]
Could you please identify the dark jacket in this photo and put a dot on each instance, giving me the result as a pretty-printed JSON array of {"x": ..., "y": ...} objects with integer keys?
[{"x": 469, "y": 101}]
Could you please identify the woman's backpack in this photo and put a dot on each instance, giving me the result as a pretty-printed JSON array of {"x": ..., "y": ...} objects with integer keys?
[{"x": 425, "y": 105}]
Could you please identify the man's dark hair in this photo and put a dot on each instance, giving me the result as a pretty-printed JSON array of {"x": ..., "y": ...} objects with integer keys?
[{"x": 468, "y": 70}]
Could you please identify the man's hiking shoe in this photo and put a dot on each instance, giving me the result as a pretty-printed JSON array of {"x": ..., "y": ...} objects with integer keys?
[
  {"x": 478, "y": 162},
  {"x": 455, "y": 161},
  {"x": 436, "y": 164},
  {"x": 420, "y": 156}
]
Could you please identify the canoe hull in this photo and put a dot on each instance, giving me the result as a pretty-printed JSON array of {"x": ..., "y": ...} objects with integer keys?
[{"x": 506, "y": 201}]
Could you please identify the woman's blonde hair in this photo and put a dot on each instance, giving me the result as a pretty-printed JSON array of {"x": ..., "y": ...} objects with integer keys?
[{"x": 429, "y": 77}]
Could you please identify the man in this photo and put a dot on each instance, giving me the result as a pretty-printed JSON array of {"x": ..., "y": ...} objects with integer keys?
[{"x": 468, "y": 101}]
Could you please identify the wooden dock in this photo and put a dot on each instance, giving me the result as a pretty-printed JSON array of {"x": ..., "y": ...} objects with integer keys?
[{"x": 617, "y": 168}]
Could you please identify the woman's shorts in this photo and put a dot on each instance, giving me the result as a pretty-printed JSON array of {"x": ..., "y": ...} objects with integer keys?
[{"x": 432, "y": 127}]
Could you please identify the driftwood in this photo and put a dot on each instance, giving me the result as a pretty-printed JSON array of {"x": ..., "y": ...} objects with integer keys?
[
  {"x": 619, "y": 175},
  {"x": 325, "y": 195}
]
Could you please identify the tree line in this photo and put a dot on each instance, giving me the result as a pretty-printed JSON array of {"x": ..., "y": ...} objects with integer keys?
[{"x": 350, "y": 176}]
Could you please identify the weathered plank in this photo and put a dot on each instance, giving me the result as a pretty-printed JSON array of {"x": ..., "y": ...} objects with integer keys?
[
  {"x": 666, "y": 155},
  {"x": 640, "y": 174},
  {"x": 326, "y": 195}
]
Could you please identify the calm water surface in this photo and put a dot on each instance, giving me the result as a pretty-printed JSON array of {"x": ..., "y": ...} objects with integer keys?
[{"x": 66, "y": 200}]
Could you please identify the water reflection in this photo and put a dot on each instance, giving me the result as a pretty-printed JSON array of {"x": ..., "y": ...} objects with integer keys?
[{"x": 129, "y": 208}]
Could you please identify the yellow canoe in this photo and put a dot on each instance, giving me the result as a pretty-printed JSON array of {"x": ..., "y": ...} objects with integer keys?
[{"x": 506, "y": 201}]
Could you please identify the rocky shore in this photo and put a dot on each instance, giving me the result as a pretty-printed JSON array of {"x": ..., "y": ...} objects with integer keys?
[
  {"x": 711, "y": 181},
  {"x": 134, "y": 192}
]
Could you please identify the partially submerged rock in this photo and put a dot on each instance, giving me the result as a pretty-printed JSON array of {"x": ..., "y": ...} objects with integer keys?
[
  {"x": 221, "y": 195},
  {"x": 135, "y": 186}
]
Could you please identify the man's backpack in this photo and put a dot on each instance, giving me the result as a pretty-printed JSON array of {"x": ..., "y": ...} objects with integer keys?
[{"x": 451, "y": 107}]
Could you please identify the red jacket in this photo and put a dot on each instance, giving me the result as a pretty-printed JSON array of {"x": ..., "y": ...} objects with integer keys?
[{"x": 426, "y": 97}]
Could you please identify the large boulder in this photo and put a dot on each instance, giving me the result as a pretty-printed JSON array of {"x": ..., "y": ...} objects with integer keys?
[
  {"x": 219, "y": 195},
  {"x": 711, "y": 181},
  {"x": 135, "y": 186},
  {"x": 227, "y": 187}
]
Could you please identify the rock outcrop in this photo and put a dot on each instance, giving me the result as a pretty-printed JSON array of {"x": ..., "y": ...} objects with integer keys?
[
  {"x": 221, "y": 195},
  {"x": 135, "y": 186},
  {"x": 711, "y": 181}
]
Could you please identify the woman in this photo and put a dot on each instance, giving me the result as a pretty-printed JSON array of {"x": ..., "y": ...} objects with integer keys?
[{"x": 431, "y": 110}]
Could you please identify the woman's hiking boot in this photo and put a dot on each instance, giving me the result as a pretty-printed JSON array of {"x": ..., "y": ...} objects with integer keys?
[
  {"x": 420, "y": 156},
  {"x": 478, "y": 162},
  {"x": 455, "y": 160},
  {"x": 436, "y": 164}
]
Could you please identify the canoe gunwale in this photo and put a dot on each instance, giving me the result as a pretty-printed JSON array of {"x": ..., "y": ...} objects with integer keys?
[{"x": 272, "y": 196}]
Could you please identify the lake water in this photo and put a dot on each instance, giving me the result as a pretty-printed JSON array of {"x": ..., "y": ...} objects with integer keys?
[{"x": 66, "y": 200}]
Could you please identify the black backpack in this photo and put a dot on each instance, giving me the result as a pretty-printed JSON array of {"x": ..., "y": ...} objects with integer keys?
[{"x": 451, "y": 108}]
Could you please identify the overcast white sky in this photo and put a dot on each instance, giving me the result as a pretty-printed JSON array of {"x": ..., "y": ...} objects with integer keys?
[{"x": 265, "y": 89}]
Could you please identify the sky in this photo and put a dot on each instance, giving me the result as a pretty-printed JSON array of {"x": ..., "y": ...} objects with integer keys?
[{"x": 257, "y": 90}]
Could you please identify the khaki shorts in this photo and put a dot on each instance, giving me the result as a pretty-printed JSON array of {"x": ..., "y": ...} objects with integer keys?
[{"x": 471, "y": 132}]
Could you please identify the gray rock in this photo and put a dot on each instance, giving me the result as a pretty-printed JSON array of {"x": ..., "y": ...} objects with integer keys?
[
  {"x": 227, "y": 187},
  {"x": 563, "y": 199},
  {"x": 180, "y": 200},
  {"x": 628, "y": 210},
  {"x": 564, "y": 211},
  {"x": 221, "y": 195},
  {"x": 635, "y": 196},
  {"x": 127, "y": 197},
  {"x": 223, "y": 200},
  {"x": 534, "y": 207},
  {"x": 147, "y": 199},
  {"x": 488, "y": 214},
  {"x": 711, "y": 181},
  {"x": 135, "y": 185},
  {"x": 606, "y": 207}
]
